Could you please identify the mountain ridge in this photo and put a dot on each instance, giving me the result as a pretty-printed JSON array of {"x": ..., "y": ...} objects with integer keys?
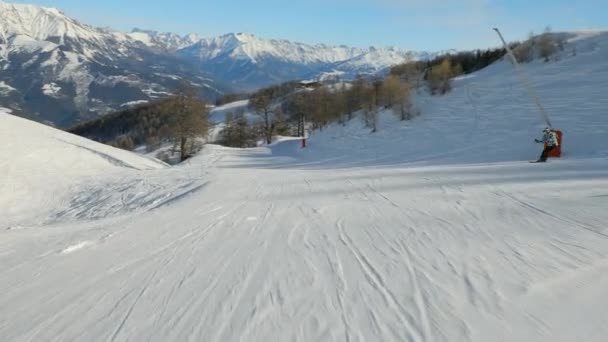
[{"x": 62, "y": 71}]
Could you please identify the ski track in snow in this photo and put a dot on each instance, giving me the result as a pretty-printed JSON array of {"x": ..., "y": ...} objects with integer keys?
[
  {"x": 349, "y": 257},
  {"x": 413, "y": 243},
  {"x": 74, "y": 248}
]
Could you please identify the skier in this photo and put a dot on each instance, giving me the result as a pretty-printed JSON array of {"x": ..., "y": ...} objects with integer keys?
[{"x": 550, "y": 140}]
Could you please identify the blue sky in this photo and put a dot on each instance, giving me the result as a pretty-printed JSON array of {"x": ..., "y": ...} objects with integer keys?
[{"x": 411, "y": 24}]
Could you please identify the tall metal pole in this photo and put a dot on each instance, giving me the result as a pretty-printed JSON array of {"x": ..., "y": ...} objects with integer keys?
[{"x": 525, "y": 81}]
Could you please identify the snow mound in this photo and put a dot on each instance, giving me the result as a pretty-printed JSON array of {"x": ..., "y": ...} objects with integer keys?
[{"x": 40, "y": 164}]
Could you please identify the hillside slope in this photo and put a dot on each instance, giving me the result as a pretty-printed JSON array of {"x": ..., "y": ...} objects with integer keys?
[
  {"x": 431, "y": 230},
  {"x": 487, "y": 117},
  {"x": 49, "y": 175}
]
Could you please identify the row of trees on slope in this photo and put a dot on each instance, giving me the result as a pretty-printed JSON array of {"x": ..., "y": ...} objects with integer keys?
[
  {"x": 438, "y": 72},
  {"x": 180, "y": 119},
  {"x": 288, "y": 109},
  {"x": 544, "y": 46}
]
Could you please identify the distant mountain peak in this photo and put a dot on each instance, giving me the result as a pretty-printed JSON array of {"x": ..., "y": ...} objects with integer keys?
[
  {"x": 40, "y": 22},
  {"x": 164, "y": 40}
]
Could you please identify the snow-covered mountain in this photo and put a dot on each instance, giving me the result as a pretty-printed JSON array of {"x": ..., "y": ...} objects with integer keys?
[
  {"x": 62, "y": 71},
  {"x": 248, "y": 61},
  {"x": 167, "y": 41}
]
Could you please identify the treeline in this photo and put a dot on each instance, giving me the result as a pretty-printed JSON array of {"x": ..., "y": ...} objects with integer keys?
[
  {"x": 290, "y": 108},
  {"x": 437, "y": 72},
  {"x": 180, "y": 119},
  {"x": 339, "y": 102},
  {"x": 240, "y": 132},
  {"x": 544, "y": 46}
]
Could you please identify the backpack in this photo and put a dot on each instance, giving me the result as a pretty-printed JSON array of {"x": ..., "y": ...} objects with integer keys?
[{"x": 552, "y": 139}]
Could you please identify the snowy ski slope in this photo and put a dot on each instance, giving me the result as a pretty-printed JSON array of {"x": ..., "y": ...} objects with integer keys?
[
  {"x": 48, "y": 175},
  {"x": 432, "y": 230}
]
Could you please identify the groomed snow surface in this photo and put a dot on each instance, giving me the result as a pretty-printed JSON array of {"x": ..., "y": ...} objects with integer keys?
[{"x": 437, "y": 229}]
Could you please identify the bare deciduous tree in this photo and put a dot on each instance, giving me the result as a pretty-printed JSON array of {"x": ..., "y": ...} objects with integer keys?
[
  {"x": 524, "y": 52},
  {"x": 402, "y": 105},
  {"x": 390, "y": 90},
  {"x": 439, "y": 77},
  {"x": 281, "y": 126},
  {"x": 370, "y": 102},
  {"x": 262, "y": 103},
  {"x": 546, "y": 44},
  {"x": 189, "y": 119},
  {"x": 300, "y": 108},
  {"x": 353, "y": 96}
]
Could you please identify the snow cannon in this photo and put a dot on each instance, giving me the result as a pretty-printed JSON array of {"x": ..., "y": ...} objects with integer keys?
[{"x": 557, "y": 151}]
